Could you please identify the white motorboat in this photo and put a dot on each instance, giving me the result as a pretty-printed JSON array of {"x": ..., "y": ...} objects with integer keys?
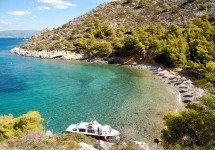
[{"x": 93, "y": 129}]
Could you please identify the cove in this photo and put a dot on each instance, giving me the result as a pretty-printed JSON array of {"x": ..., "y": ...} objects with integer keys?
[{"x": 66, "y": 92}]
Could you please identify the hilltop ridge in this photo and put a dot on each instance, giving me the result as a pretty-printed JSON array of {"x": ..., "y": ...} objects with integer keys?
[{"x": 116, "y": 13}]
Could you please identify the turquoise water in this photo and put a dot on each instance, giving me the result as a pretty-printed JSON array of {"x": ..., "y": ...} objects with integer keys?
[{"x": 66, "y": 92}]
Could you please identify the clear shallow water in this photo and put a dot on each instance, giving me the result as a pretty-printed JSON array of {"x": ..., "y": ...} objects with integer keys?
[{"x": 66, "y": 92}]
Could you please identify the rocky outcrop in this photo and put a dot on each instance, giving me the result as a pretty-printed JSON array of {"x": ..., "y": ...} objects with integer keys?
[
  {"x": 142, "y": 145},
  {"x": 58, "y": 54},
  {"x": 48, "y": 54},
  {"x": 84, "y": 146}
]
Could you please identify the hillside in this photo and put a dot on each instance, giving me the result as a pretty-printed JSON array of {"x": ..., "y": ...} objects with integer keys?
[
  {"x": 116, "y": 13},
  {"x": 17, "y": 33},
  {"x": 174, "y": 33}
]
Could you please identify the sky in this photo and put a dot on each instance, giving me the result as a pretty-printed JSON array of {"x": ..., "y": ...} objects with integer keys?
[{"x": 41, "y": 14}]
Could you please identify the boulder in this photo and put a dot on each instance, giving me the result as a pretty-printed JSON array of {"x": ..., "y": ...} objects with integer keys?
[
  {"x": 85, "y": 146},
  {"x": 142, "y": 145}
]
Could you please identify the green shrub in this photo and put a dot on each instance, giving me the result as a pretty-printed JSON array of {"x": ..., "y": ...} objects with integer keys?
[
  {"x": 23, "y": 46},
  {"x": 82, "y": 43},
  {"x": 166, "y": 7},
  {"x": 132, "y": 45},
  {"x": 56, "y": 46},
  {"x": 143, "y": 3},
  {"x": 203, "y": 83},
  {"x": 10, "y": 126},
  {"x": 69, "y": 45},
  {"x": 41, "y": 47},
  {"x": 192, "y": 127},
  {"x": 130, "y": 1},
  {"x": 103, "y": 31},
  {"x": 101, "y": 49},
  {"x": 122, "y": 28},
  {"x": 203, "y": 7}
]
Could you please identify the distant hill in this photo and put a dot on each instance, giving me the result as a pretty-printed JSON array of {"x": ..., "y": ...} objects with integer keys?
[{"x": 17, "y": 33}]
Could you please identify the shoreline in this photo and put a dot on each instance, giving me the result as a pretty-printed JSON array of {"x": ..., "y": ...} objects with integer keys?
[
  {"x": 55, "y": 54},
  {"x": 188, "y": 92}
]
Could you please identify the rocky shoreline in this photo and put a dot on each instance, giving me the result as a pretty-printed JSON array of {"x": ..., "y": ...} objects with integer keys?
[
  {"x": 56, "y": 54},
  {"x": 187, "y": 90},
  {"x": 48, "y": 54}
]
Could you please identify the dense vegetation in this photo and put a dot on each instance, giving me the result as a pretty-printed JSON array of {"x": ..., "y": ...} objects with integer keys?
[
  {"x": 10, "y": 126},
  {"x": 192, "y": 128}
]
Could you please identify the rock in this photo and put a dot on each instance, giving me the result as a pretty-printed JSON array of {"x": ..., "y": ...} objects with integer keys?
[
  {"x": 73, "y": 55},
  {"x": 85, "y": 146},
  {"x": 101, "y": 145},
  {"x": 48, "y": 54},
  {"x": 142, "y": 145},
  {"x": 49, "y": 133}
]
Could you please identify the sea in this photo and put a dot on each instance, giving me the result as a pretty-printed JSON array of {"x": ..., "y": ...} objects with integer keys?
[{"x": 67, "y": 92}]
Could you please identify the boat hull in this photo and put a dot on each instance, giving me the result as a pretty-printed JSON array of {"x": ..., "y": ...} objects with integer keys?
[{"x": 98, "y": 137}]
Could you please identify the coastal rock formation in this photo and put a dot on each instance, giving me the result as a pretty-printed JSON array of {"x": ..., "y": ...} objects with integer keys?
[
  {"x": 58, "y": 54},
  {"x": 48, "y": 54}
]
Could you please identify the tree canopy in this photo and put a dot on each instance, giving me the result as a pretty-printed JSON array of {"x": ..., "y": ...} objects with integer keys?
[
  {"x": 10, "y": 126},
  {"x": 192, "y": 127}
]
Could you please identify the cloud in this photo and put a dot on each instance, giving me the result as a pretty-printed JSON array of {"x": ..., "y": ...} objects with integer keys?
[
  {"x": 5, "y": 23},
  {"x": 19, "y": 13},
  {"x": 40, "y": 8},
  {"x": 34, "y": 16},
  {"x": 59, "y": 4}
]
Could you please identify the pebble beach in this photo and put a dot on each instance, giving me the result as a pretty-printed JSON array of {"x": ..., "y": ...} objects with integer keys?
[{"x": 186, "y": 88}]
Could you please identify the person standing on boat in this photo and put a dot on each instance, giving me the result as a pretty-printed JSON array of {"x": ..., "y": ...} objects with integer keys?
[{"x": 98, "y": 130}]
